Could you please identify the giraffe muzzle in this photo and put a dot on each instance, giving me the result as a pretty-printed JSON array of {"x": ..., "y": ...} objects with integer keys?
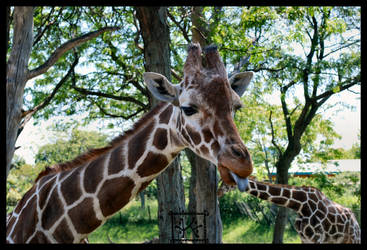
[{"x": 235, "y": 165}]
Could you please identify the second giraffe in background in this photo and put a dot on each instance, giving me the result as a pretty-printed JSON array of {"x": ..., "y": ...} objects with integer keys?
[{"x": 320, "y": 220}]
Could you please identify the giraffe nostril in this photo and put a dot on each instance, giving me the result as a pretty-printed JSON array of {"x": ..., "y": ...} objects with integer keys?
[{"x": 237, "y": 152}]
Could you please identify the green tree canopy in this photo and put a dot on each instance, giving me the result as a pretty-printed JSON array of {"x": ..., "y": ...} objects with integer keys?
[{"x": 67, "y": 149}]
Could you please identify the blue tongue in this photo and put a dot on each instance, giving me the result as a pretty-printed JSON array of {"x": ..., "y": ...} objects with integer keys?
[{"x": 242, "y": 183}]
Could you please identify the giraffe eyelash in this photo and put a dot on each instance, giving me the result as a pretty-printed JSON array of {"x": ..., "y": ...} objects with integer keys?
[{"x": 189, "y": 110}]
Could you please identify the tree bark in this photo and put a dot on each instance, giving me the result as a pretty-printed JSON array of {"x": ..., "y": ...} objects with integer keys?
[
  {"x": 16, "y": 76},
  {"x": 204, "y": 179},
  {"x": 155, "y": 33},
  {"x": 191, "y": 156},
  {"x": 282, "y": 167}
]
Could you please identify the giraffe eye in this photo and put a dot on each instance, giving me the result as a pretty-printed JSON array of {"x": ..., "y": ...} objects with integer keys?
[{"x": 189, "y": 110}]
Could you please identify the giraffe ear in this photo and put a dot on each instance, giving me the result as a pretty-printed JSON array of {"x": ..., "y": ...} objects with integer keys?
[
  {"x": 240, "y": 81},
  {"x": 161, "y": 88}
]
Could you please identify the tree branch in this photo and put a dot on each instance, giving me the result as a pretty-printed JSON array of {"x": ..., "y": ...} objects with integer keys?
[
  {"x": 119, "y": 98},
  {"x": 135, "y": 83},
  {"x": 310, "y": 55},
  {"x": 286, "y": 114},
  {"x": 64, "y": 48},
  {"x": 27, "y": 115},
  {"x": 342, "y": 87},
  {"x": 41, "y": 31},
  {"x": 103, "y": 111},
  {"x": 342, "y": 47},
  {"x": 272, "y": 135},
  {"x": 184, "y": 32}
]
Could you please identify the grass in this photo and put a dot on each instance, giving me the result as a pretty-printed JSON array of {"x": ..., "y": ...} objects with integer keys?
[
  {"x": 249, "y": 231},
  {"x": 133, "y": 225}
]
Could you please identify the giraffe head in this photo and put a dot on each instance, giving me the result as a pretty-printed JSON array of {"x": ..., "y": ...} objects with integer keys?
[{"x": 204, "y": 104}]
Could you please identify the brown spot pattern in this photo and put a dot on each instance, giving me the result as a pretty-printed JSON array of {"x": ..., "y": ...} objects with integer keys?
[
  {"x": 83, "y": 217},
  {"x": 152, "y": 164},
  {"x": 313, "y": 197},
  {"x": 264, "y": 195},
  {"x": 299, "y": 195},
  {"x": 25, "y": 198},
  {"x": 294, "y": 205},
  {"x": 160, "y": 139},
  {"x": 215, "y": 147},
  {"x": 204, "y": 150},
  {"x": 71, "y": 194},
  {"x": 94, "y": 174},
  {"x": 62, "y": 233},
  {"x": 195, "y": 136},
  {"x": 279, "y": 200},
  {"x": 114, "y": 194},
  {"x": 312, "y": 204},
  {"x": 274, "y": 191},
  {"x": 137, "y": 145},
  {"x": 261, "y": 187},
  {"x": 27, "y": 221},
  {"x": 39, "y": 238},
  {"x": 207, "y": 135},
  {"x": 44, "y": 193},
  {"x": 53, "y": 210},
  {"x": 306, "y": 210},
  {"x": 165, "y": 116},
  {"x": 117, "y": 160},
  {"x": 286, "y": 193}
]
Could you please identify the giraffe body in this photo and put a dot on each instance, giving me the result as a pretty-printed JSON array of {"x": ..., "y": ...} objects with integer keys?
[
  {"x": 70, "y": 200},
  {"x": 74, "y": 202},
  {"x": 319, "y": 220}
]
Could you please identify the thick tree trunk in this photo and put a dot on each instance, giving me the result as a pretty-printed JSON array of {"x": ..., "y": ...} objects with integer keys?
[
  {"x": 155, "y": 34},
  {"x": 192, "y": 188},
  {"x": 204, "y": 182},
  {"x": 203, "y": 197},
  {"x": 16, "y": 76},
  {"x": 206, "y": 200},
  {"x": 282, "y": 166},
  {"x": 281, "y": 218}
]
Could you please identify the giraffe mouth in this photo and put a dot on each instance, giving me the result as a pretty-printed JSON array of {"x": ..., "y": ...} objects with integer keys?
[
  {"x": 242, "y": 183},
  {"x": 230, "y": 178}
]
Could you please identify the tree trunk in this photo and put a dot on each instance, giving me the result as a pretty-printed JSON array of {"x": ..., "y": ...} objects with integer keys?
[
  {"x": 282, "y": 166},
  {"x": 204, "y": 182},
  {"x": 155, "y": 33},
  {"x": 142, "y": 199},
  {"x": 16, "y": 76},
  {"x": 280, "y": 223},
  {"x": 281, "y": 218},
  {"x": 191, "y": 156}
]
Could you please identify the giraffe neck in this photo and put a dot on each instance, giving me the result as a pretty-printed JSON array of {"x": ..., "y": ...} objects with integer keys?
[
  {"x": 70, "y": 204},
  {"x": 292, "y": 197}
]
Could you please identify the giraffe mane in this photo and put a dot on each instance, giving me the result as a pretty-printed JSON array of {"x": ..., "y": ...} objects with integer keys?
[{"x": 95, "y": 153}]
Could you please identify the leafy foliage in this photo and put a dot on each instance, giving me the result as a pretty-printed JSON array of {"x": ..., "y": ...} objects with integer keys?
[{"x": 65, "y": 150}]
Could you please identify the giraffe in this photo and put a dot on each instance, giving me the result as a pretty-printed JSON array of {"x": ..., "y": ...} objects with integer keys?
[
  {"x": 319, "y": 220},
  {"x": 70, "y": 200}
]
